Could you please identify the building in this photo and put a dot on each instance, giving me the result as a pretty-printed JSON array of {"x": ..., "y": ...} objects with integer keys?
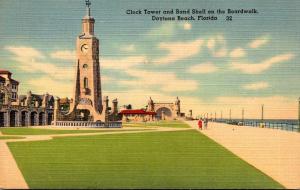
[
  {"x": 87, "y": 103},
  {"x": 154, "y": 111},
  {"x": 165, "y": 110},
  {"x": 22, "y": 110},
  {"x": 9, "y": 88},
  {"x": 137, "y": 115}
]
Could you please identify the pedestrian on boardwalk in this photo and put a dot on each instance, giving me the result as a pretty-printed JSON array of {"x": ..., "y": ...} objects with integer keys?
[
  {"x": 205, "y": 123},
  {"x": 200, "y": 124}
]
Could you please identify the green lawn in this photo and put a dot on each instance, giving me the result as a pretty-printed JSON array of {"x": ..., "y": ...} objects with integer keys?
[
  {"x": 174, "y": 124},
  {"x": 11, "y": 137},
  {"x": 182, "y": 159},
  {"x": 31, "y": 131}
]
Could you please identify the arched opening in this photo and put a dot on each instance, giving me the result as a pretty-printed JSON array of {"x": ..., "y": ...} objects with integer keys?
[
  {"x": 163, "y": 113},
  {"x": 50, "y": 118},
  {"x": 2, "y": 119},
  {"x": 84, "y": 115},
  {"x": 33, "y": 118},
  {"x": 51, "y": 102},
  {"x": 13, "y": 118},
  {"x": 24, "y": 118},
  {"x": 41, "y": 118},
  {"x": 86, "y": 82}
]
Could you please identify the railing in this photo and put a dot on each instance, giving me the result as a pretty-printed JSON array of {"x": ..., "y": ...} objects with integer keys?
[
  {"x": 266, "y": 124},
  {"x": 89, "y": 124}
]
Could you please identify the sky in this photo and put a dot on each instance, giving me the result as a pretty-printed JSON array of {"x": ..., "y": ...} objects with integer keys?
[{"x": 212, "y": 66}]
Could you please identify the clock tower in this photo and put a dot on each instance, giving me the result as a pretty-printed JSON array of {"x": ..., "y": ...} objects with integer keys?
[{"x": 87, "y": 101}]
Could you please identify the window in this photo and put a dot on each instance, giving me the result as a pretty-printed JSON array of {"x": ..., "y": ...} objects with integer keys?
[
  {"x": 14, "y": 95},
  {"x": 86, "y": 82},
  {"x": 85, "y": 66},
  {"x": 2, "y": 97}
]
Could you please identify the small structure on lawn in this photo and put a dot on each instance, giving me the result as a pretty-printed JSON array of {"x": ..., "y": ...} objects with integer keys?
[{"x": 137, "y": 115}]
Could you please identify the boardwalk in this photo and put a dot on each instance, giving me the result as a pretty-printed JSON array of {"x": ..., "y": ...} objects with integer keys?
[{"x": 275, "y": 152}]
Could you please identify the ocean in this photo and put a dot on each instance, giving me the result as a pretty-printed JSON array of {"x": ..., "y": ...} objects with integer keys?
[{"x": 283, "y": 124}]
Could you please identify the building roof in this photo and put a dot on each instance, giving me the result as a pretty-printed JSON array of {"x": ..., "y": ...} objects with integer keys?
[
  {"x": 2, "y": 71},
  {"x": 142, "y": 112},
  {"x": 15, "y": 81}
]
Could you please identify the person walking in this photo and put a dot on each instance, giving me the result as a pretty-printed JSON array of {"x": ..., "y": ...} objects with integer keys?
[
  {"x": 205, "y": 123},
  {"x": 200, "y": 124}
]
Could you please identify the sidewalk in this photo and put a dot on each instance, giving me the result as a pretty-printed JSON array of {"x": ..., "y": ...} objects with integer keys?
[
  {"x": 11, "y": 176},
  {"x": 274, "y": 152}
]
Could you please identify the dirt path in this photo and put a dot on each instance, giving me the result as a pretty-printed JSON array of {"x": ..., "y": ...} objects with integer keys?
[
  {"x": 12, "y": 178},
  {"x": 275, "y": 152}
]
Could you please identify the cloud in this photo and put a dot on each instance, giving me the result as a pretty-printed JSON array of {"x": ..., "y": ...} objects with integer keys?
[
  {"x": 33, "y": 61},
  {"x": 237, "y": 53},
  {"x": 26, "y": 53},
  {"x": 177, "y": 85},
  {"x": 124, "y": 63},
  {"x": 162, "y": 81},
  {"x": 55, "y": 87},
  {"x": 211, "y": 43},
  {"x": 179, "y": 50},
  {"x": 217, "y": 46},
  {"x": 128, "y": 48},
  {"x": 220, "y": 53},
  {"x": 256, "y": 86},
  {"x": 59, "y": 79},
  {"x": 187, "y": 26},
  {"x": 107, "y": 79},
  {"x": 143, "y": 79},
  {"x": 64, "y": 55},
  {"x": 203, "y": 68},
  {"x": 256, "y": 68},
  {"x": 259, "y": 42},
  {"x": 165, "y": 29}
]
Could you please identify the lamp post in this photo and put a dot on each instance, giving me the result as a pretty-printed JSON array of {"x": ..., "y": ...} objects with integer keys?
[
  {"x": 215, "y": 116},
  {"x": 299, "y": 114},
  {"x": 221, "y": 115},
  {"x": 243, "y": 112},
  {"x": 262, "y": 113}
]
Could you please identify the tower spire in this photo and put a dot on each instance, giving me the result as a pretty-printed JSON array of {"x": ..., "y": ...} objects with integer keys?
[
  {"x": 88, "y": 9},
  {"x": 88, "y": 21}
]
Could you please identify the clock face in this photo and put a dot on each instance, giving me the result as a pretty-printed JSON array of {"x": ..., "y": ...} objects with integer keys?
[{"x": 84, "y": 48}]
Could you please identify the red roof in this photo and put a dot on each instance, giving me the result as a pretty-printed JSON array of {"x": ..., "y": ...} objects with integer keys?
[
  {"x": 4, "y": 71},
  {"x": 143, "y": 112}
]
